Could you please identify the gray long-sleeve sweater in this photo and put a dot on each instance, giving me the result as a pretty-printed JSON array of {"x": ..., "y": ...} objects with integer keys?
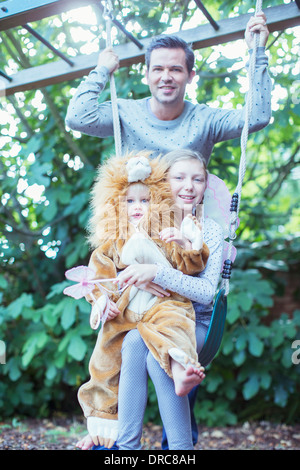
[{"x": 198, "y": 128}]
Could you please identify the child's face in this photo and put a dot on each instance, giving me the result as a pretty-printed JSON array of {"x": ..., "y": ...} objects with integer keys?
[
  {"x": 138, "y": 200},
  {"x": 188, "y": 182}
]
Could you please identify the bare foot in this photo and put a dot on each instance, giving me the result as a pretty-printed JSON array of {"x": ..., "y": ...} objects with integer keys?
[
  {"x": 185, "y": 379},
  {"x": 186, "y": 372},
  {"x": 85, "y": 443}
]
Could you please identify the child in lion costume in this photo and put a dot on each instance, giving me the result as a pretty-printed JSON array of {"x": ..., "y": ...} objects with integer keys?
[{"x": 120, "y": 238}]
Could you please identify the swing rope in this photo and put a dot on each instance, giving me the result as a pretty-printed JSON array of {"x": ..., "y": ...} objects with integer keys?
[
  {"x": 108, "y": 15},
  {"x": 236, "y": 198}
]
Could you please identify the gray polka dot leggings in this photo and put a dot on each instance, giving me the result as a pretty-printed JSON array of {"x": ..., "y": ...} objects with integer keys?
[{"x": 137, "y": 362}]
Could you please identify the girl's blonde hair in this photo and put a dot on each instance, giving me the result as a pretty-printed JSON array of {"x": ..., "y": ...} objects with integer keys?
[{"x": 184, "y": 154}]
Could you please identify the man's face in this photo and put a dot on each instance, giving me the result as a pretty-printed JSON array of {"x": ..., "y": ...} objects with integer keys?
[{"x": 168, "y": 75}]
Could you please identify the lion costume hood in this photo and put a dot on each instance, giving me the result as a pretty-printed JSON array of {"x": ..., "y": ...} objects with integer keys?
[{"x": 109, "y": 196}]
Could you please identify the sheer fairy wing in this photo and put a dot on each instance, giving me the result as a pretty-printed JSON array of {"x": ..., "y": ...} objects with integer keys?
[
  {"x": 78, "y": 290},
  {"x": 217, "y": 200},
  {"x": 226, "y": 252},
  {"x": 85, "y": 278},
  {"x": 80, "y": 274}
]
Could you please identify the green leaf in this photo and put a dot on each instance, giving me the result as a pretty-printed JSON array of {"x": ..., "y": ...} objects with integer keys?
[
  {"x": 37, "y": 172},
  {"x": 246, "y": 301},
  {"x": 256, "y": 346},
  {"x": 286, "y": 357},
  {"x": 84, "y": 306},
  {"x": 3, "y": 282},
  {"x": 34, "y": 148},
  {"x": 48, "y": 315},
  {"x": 51, "y": 372},
  {"x": 15, "y": 308},
  {"x": 77, "y": 348},
  {"x": 277, "y": 337},
  {"x": 214, "y": 381},
  {"x": 77, "y": 203},
  {"x": 63, "y": 344},
  {"x": 280, "y": 396},
  {"x": 78, "y": 251},
  {"x": 251, "y": 387},
  {"x": 50, "y": 211},
  {"x": 57, "y": 289},
  {"x": 265, "y": 380},
  {"x": 241, "y": 341},
  {"x": 69, "y": 313},
  {"x": 32, "y": 346},
  {"x": 13, "y": 368},
  {"x": 290, "y": 330},
  {"x": 25, "y": 393},
  {"x": 61, "y": 359},
  {"x": 33, "y": 145},
  {"x": 233, "y": 313},
  {"x": 227, "y": 344},
  {"x": 239, "y": 358}
]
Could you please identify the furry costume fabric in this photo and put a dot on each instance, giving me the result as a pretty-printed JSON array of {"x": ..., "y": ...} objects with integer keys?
[{"x": 163, "y": 323}]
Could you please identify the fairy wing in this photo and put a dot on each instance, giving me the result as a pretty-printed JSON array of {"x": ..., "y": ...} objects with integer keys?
[
  {"x": 80, "y": 274},
  {"x": 83, "y": 275},
  {"x": 78, "y": 290},
  {"x": 217, "y": 200},
  {"x": 85, "y": 278},
  {"x": 226, "y": 252}
]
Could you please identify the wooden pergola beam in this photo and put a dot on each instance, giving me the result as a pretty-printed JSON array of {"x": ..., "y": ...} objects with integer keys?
[
  {"x": 15, "y": 13},
  {"x": 279, "y": 18}
]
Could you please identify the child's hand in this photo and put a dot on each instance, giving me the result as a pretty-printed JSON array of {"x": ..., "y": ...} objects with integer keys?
[
  {"x": 172, "y": 234},
  {"x": 192, "y": 230},
  {"x": 137, "y": 274},
  {"x": 141, "y": 276},
  {"x": 113, "y": 311},
  {"x": 99, "y": 310}
]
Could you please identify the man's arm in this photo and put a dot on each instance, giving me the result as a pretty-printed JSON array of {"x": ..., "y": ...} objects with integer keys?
[
  {"x": 83, "y": 112},
  {"x": 228, "y": 124}
]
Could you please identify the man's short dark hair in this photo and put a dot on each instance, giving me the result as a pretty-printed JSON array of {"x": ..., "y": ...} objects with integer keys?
[{"x": 171, "y": 42}]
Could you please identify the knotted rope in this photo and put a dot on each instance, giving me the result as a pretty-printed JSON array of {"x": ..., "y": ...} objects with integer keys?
[{"x": 243, "y": 160}]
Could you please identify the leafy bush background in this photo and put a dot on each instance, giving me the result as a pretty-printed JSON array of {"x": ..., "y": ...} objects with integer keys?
[{"x": 47, "y": 335}]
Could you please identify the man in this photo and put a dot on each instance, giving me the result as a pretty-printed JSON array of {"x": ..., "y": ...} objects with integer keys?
[{"x": 166, "y": 121}]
